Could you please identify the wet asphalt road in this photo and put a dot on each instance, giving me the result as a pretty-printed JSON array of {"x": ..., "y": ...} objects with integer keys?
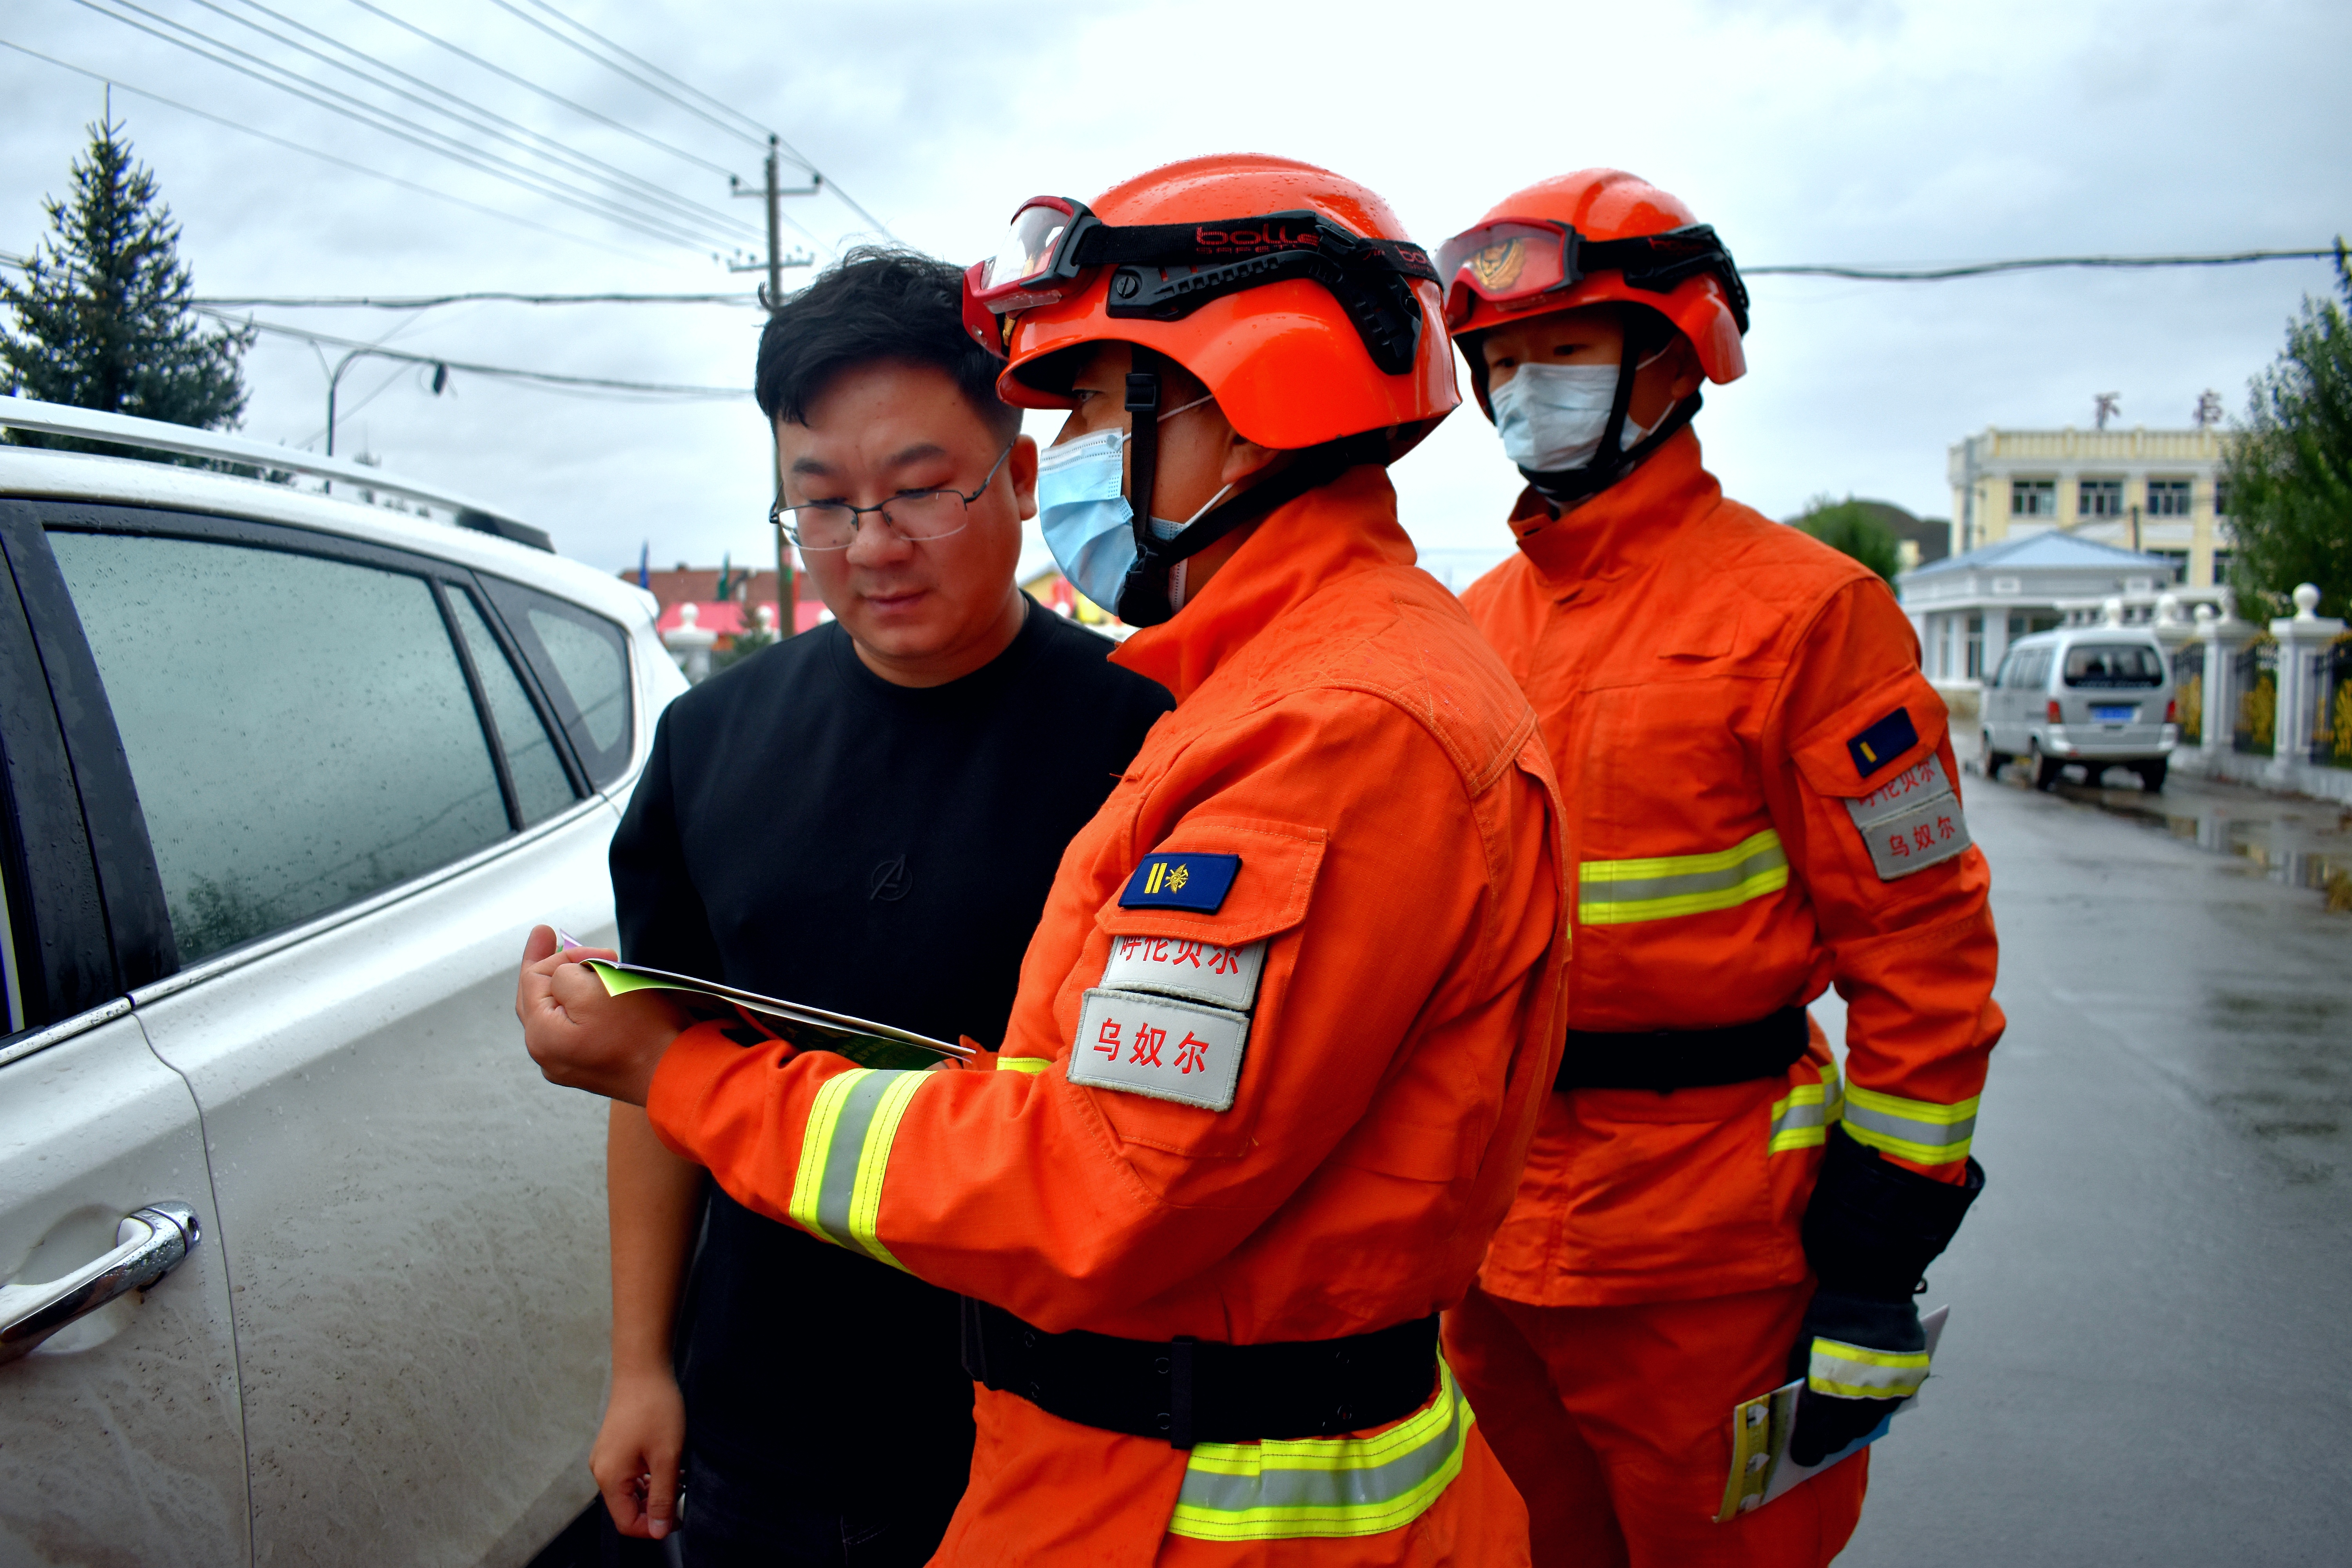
[{"x": 2149, "y": 1359}]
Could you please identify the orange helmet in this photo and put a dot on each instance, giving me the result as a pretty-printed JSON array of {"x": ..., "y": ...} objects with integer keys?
[
  {"x": 1291, "y": 293},
  {"x": 1590, "y": 238}
]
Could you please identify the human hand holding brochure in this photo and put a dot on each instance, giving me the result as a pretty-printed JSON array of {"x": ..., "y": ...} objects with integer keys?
[{"x": 1763, "y": 1427}]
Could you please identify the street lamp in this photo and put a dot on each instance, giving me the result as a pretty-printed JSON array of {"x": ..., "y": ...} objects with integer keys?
[{"x": 335, "y": 377}]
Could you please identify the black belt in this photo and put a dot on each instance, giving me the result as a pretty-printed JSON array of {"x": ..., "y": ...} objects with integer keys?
[
  {"x": 1669, "y": 1059},
  {"x": 1199, "y": 1391}
]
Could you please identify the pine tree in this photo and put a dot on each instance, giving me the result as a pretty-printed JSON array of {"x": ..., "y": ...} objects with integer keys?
[
  {"x": 102, "y": 314},
  {"x": 2289, "y": 470}
]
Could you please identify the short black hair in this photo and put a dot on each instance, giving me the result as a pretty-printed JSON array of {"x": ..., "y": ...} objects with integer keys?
[{"x": 876, "y": 303}]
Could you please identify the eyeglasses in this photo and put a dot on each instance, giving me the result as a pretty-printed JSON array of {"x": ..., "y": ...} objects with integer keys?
[{"x": 915, "y": 516}]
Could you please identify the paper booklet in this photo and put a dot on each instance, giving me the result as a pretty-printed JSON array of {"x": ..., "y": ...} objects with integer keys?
[
  {"x": 1761, "y": 1429},
  {"x": 869, "y": 1044}
]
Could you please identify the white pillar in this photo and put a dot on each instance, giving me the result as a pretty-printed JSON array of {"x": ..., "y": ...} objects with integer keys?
[
  {"x": 689, "y": 643},
  {"x": 2226, "y": 636},
  {"x": 2302, "y": 637}
]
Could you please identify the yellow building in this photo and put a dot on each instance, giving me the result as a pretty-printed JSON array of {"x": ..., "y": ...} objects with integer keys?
[{"x": 2154, "y": 491}]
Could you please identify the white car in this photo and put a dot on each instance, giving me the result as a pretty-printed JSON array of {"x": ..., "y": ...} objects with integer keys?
[{"x": 300, "y": 1260}]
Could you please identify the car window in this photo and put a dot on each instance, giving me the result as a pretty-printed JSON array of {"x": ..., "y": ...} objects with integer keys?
[
  {"x": 541, "y": 788},
  {"x": 299, "y": 730},
  {"x": 2009, "y": 664},
  {"x": 2112, "y": 665},
  {"x": 582, "y": 663}
]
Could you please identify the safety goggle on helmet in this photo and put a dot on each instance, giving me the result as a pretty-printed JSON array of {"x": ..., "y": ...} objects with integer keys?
[
  {"x": 1164, "y": 273},
  {"x": 1518, "y": 264}
]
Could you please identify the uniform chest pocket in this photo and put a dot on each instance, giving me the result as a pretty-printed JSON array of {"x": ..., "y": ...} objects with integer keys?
[
  {"x": 1667, "y": 764},
  {"x": 1171, "y": 1035}
]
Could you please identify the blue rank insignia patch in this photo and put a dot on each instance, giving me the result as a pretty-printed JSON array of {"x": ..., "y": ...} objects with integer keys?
[
  {"x": 1883, "y": 742},
  {"x": 1181, "y": 881}
]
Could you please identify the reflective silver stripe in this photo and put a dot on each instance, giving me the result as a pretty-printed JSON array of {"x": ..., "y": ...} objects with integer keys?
[
  {"x": 1917, "y": 1129},
  {"x": 1801, "y": 1120},
  {"x": 1326, "y": 1487},
  {"x": 1616, "y": 892},
  {"x": 845, "y": 1154}
]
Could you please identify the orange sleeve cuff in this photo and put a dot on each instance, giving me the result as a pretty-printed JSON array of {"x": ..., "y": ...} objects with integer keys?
[
  {"x": 689, "y": 1070},
  {"x": 1952, "y": 1172}
]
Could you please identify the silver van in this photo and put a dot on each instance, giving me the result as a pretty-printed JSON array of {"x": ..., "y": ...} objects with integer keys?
[{"x": 2092, "y": 696}]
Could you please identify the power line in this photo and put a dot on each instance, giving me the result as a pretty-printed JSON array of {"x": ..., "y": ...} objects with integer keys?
[
  {"x": 468, "y": 114},
  {"x": 654, "y": 226},
  {"x": 758, "y": 130},
  {"x": 427, "y": 302},
  {"x": 539, "y": 378},
  {"x": 324, "y": 157},
  {"x": 2035, "y": 264},
  {"x": 440, "y": 42},
  {"x": 653, "y": 88},
  {"x": 764, "y": 135}
]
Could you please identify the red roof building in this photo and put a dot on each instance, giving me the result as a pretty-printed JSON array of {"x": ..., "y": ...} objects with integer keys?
[{"x": 746, "y": 590}]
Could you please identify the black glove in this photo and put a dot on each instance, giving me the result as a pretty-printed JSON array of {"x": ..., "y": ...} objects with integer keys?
[{"x": 1870, "y": 1231}]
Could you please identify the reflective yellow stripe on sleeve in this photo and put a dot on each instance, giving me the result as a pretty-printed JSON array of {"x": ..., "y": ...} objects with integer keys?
[
  {"x": 1032, "y": 1065},
  {"x": 1618, "y": 892},
  {"x": 1918, "y": 1129},
  {"x": 845, "y": 1153},
  {"x": 1857, "y": 1372},
  {"x": 1803, "y": 1120},
  {"x": 1299, "y": 1487}
]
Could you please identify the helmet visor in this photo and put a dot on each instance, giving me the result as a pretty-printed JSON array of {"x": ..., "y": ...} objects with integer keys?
[
  {"x": 1503, "y": 263},
  {"x": 1031, "y": 249}
]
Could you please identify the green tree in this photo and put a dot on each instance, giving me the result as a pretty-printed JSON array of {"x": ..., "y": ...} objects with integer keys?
[
  {"x": 102, "y": 312},
  {"x": 2289, "y": 469},
  {"x": 1848, "y": 528}
]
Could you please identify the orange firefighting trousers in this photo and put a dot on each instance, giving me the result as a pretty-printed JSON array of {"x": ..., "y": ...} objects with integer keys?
[{"x": 1616, "y": 1423}]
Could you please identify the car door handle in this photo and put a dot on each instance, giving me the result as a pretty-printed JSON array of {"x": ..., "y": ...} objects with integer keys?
[{"x": 149, "y": 1245}]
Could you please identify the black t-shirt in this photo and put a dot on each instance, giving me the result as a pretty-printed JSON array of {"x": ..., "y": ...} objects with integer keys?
[{"x": 806, "y": 829}]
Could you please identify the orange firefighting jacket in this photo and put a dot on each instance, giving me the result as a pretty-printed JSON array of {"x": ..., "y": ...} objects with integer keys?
[
  {"x": 1761, "y": 801},
  {"x": 1342, "y": 730}
]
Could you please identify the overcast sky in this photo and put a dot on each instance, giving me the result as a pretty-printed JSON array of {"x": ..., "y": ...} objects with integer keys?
[{"x": 1846, "y": 131}]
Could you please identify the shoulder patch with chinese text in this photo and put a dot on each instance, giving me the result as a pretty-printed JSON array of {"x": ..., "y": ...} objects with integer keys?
[
  {"x": 1912, "y": 821},
  {"x": 1158, "y": 1046},
  {"x": 1180, "y": 966}
]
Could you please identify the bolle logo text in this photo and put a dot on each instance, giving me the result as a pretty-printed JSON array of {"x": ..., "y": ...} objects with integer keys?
[{"x": 1266, "y": 237}]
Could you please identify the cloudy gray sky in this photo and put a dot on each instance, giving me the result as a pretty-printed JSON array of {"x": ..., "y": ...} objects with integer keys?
[{"x": 1842, "y": 131}]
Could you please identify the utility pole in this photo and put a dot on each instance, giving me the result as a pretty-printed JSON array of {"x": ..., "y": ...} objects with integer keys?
[{"x": 772, "y": 295}]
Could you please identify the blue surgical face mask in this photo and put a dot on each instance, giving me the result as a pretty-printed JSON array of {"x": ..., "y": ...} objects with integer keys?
[
  {"x": 1083, "y": 511},
  {"x": 1551, "y": 417}
]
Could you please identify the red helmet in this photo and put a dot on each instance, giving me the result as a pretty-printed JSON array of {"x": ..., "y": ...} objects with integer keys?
[
  {"x": 1291, "y": 293},
  {"x": 1594, "y": 237}
]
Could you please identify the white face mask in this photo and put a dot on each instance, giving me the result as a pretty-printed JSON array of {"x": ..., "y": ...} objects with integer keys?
[{"x": 1551, "y": 417}]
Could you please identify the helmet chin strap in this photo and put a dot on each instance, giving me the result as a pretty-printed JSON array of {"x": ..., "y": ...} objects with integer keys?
[
  {"x": 1145, "y": 598},
  {"x": 1566, "y": 487}
]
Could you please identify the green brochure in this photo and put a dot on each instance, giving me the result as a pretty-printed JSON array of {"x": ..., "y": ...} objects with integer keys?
[{"x": 811, "y": 1028}]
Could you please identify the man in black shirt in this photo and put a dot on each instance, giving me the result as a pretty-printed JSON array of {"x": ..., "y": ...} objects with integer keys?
[{"x": 866, "y": 818}]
